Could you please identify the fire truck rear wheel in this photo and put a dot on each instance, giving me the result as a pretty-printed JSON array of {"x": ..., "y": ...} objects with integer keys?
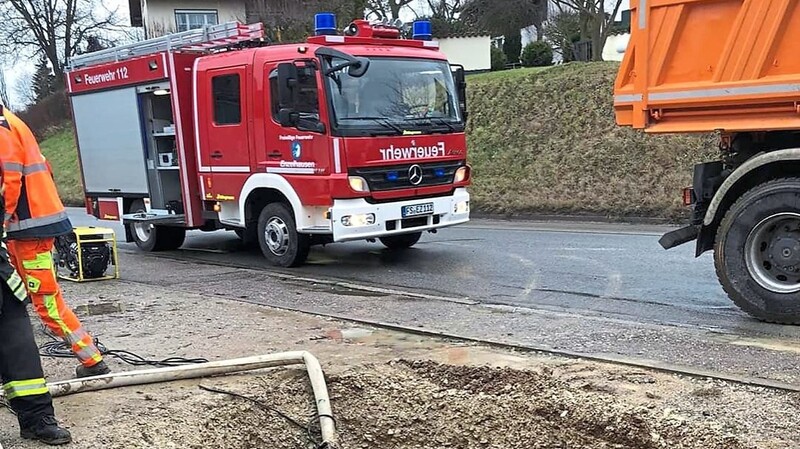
[
  {"x": 403, "y": 241},
  {"x": 153, "y": 238},
  {"x": 757, "y": 253},
  {"x": 278, "y": 238}
]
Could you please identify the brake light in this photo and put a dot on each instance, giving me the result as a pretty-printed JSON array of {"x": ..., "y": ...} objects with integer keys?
[{"x": 688, "y": 196}]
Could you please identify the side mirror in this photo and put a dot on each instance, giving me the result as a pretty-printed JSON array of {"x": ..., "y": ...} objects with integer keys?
[
  {"x": 357, "y": 71},
  {"x": 460, "y": 78},
  {"x": 287, "y": 85}
]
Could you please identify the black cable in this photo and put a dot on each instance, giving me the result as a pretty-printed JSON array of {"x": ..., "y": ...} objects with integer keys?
[
  {"x": 266, "y": 407},
  {"x": 58, "y": 348}
]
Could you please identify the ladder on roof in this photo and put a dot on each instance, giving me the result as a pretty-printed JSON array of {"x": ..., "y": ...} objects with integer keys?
[{"x": 209, "y": 37}]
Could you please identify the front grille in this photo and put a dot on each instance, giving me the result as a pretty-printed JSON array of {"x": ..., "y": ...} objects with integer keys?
[{"x": 397, "y": 176}]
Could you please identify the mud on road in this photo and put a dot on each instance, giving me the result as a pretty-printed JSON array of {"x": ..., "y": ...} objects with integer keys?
[{"x": 388, "y": 389}]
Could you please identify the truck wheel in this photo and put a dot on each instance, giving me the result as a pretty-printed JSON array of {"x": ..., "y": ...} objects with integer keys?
[
  {"x": 404, "y": 241},
  {"x": 278, "y": 238},
  {"x": 757, "y": 253},
  {"x": 152, "y": 238}
]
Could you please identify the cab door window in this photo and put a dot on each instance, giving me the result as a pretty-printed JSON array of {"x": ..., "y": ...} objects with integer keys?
[
  {"x": 227, "y": 93},
  {"x": 307, "y": 94}
]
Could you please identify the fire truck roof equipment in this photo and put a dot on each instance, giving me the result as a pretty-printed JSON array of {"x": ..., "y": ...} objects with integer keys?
[{"x": 210, "y": 37}]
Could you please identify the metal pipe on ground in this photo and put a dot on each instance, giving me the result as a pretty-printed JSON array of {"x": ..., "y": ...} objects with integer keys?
[{"x": 160, "y": 375}]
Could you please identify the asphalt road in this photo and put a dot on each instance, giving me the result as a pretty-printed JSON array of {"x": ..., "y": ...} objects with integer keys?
[
  {"x": 594, "y": 290},
  {"x": 606, "y": 270}
]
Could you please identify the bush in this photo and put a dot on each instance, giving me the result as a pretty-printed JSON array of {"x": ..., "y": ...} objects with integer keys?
[
  {"x": 498, "y": 59},
  {"x": 47, "y": 115},
  {"x": 537, "y": 54}
]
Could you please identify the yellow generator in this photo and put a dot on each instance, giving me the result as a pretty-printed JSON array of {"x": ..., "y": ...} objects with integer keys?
[{"x": 86, "y": 254}]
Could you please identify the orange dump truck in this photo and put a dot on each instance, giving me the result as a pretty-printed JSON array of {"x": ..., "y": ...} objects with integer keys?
[{"x": 731, "y": 67}]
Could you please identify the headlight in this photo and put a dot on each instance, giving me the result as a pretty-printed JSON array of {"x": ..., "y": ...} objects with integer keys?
[
  {"x": 461, "y": 174},
  {"x": 356, "y": 221},
  {"x": 462, "y": 207},
  {"x": 358, "y": 184}
]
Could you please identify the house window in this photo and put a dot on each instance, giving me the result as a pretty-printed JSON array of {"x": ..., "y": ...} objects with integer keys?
[
  {"x": 190, "y": 19},
  {"x": 227, "y": 100}
]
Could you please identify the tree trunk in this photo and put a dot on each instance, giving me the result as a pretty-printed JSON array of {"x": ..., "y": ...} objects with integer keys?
[
  {"x": 395, "y": 6},
  {"x": 598, "y": 42}
]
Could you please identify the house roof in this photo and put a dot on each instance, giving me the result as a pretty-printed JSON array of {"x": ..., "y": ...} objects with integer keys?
[{"x": 464, "y": 35}]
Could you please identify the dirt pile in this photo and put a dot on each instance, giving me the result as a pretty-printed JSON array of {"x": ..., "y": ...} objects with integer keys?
[{"x": 416, "y": 405}]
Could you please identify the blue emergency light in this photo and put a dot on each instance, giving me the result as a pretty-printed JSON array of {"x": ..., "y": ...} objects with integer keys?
[
  {"x": 422, "y": 30},
  {"x": 325, "y": 24},
  {"x": 439, "y": 172},
  {"x": 392, "y": 176}
]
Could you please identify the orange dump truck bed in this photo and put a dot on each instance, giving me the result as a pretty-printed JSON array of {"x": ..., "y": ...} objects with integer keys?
[{"x": 707, "y": 65}]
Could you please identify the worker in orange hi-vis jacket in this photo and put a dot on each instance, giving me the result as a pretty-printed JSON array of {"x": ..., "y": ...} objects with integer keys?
[{"x": 34, "y": 217}]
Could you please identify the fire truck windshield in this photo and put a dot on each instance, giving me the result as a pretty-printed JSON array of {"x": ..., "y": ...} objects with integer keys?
[{"x": 395, "y": 95}]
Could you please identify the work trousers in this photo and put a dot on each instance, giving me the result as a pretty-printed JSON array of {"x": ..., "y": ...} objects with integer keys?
[
  {"x": 34, "y": 262},
  {"x": 20, "y": 366}
]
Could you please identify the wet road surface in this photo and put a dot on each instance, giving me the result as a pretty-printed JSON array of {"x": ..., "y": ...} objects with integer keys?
[{"x": 603, "y": 283}]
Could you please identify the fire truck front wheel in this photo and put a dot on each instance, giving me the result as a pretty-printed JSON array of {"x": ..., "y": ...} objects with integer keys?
[
  {"x": 278, "y": 238},
  {"x": 152, "y": 238},
  {"x": 400, "y": 242}
]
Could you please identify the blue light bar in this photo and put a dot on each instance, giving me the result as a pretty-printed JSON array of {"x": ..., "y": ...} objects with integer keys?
[
  {"x": 422, "y": 30},
  {"x": 325, "y": 24}
]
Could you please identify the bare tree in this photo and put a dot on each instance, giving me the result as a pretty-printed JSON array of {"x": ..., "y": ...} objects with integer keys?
[
  {"x": 447, "y": 10},
  {"x": 505, "y": 16},
  {"x": 4, "y": 100},
  {"x": 292, "y": 20},
  {"x": 597, "y": 19},
  {"x": 56, "y": 29},
  {"x": 390, "y": 9},
  {"x": 23, "y": 88}
]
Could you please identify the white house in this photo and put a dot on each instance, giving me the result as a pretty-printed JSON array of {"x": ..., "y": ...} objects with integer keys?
[
  {"x": 615, "y": 47},
  {"x": 472, "y": 50},
  {"x": 159, "y": 17}
]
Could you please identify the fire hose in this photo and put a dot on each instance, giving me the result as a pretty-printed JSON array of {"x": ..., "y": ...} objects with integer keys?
[{"x": 160, "y": 375}]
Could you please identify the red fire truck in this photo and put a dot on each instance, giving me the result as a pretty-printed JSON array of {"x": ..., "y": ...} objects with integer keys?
[{"x": 357, "y": 135}]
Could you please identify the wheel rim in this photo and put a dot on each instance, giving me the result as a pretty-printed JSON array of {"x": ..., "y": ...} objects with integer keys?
[
  {"x": 143, "y": 231},
  {"x": 773, "y": 253},
  {"x": 276, "y": 234}
]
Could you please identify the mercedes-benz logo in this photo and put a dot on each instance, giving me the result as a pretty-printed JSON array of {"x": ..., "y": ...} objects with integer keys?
[{"x": 415, "y": 175}]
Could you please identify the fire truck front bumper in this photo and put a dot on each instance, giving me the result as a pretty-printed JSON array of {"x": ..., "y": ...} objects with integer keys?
[{"x": 359, "y": 220}]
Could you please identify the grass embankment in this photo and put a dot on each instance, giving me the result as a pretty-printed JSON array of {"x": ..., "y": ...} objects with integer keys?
[
  {"x": 545, "y": 142},
  {"x": 541, "y": 141},
  {"x": 59, "y": 148}
]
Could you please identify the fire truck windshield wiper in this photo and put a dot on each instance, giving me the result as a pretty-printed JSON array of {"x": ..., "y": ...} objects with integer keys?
[
  {"x": 383, "y": 121},
  {"x": 435, "y": 121}
]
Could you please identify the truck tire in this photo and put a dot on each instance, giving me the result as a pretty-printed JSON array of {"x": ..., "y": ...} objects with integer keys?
[
  {"x": 400, "y": 242},
  {"x": 278, "y": 238},
  {"x": 152, "y": 238},
  {"x": 757, "y": 252}
]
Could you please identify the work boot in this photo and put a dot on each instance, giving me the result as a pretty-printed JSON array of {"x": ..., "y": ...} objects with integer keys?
[
  {"x": 96, "y": 370},
  {"x": 47, "y": 431}
]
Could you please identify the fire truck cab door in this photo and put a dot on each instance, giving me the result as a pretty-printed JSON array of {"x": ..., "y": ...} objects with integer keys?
[{"x": 226, "y": 146}]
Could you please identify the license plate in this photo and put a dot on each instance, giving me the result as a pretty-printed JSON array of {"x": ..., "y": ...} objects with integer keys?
[{"x": 417, "y": 209}]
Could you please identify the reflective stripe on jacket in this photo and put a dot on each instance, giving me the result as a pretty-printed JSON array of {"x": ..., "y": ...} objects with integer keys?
[
  {"x": 33, "y": 208},
  {"x": 8, "y": 273}
]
